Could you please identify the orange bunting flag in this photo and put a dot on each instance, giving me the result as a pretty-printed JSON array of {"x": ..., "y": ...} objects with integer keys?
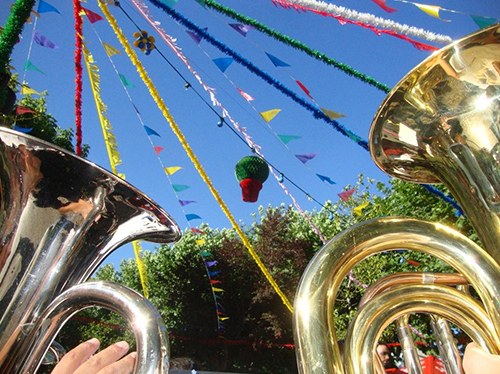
[
  {"x": 110, "y": 50},
  {"x": 431, "y": 10},
  {"x": 172, "y": 170},
  {"x": 215, "y": 289},
  {"x": 200, "y": 241},
  {"x": 331, "y": 114},
  {"x": 25, "y": 90},
  {"x": 269, "y": 115},
  {"x": 359, "y": 209}
]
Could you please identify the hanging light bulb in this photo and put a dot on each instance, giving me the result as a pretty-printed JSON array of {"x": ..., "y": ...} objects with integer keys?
[
  {"x": 187, "y": 85},
  {"x": 281, "y": 178},
  {"x": 221, "y": 122}
]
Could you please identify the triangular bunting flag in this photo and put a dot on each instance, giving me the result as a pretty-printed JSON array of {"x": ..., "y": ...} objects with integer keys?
[
  {"x": 431, "y": 10},
  {"x": 158, "y": 149},
  {"x": 201, "y": 2},
  {"x": 200, "y": 241},
  {"x": 191, "y": 216},
  {"x": 359, "y": 209},
  {"x": 30, "y": 66},
  {"x": 276, "y": 61},
  {"x": 215, "y": 281},
  {"x": 210, "y": 263},
  {"x": 195, "y": 36},
  {"x": 414, "y": 263},
  {"x": 383, "y": 5},
  {"x": 205, "y": 253},
  {"x": 269, "y": 115},
  {"x": 306, "y": 157},
  {"x": 172, "y": 169},
  {"x": 245, "y": 95},
  {"x": 23, "y": 129},
  {"x": 125, "y": 81},
  {"x": 483, "y": 22},
  {"x": 43, "y": 41},
  {"x": 344, "y": 196},
  {"x": 92, "y": 16},
  {"x": 241, "y": 28},
  {"x": 44, "y": 7},
  {"x": 25, "y": 90},
  {"x": 170, "y": 3},
  {"x": 324, "y": 178},
  {"x": 288, "y": 138},
  {"x": 223, "y": 318},
  {"x": 331, "y": 114},
  {"x": 223, "y": 62},
  {"x": 304, "y": 89},
  {"x": 22, "y": 110},
  {"x": 150, "y": 131},
  {"x": 217, "y": 289},
  {"x": 110, "y": 50},
  {"x": 213, "y": 273},
  {"x": 180, "y": 187},
  {"x": 186, "y": 202},
  {"x": 197, "y": 231}
]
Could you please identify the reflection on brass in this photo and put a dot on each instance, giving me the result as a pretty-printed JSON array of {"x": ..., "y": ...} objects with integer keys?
[
  {"x": 440, "y": 124},
  {"x": 60, "y": 217}
]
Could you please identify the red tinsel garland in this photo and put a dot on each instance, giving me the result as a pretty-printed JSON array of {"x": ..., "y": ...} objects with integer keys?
[{"x": 78, "y": 70}]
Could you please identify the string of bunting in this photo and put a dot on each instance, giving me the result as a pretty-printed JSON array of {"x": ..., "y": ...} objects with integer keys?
[
  {"x": 317, "y": 113},
  {"x": 77, "y": 9},
  {"x": 142, "y": 8},
  {"x": 187, "y": 148},
  {"x": 331, "y": 10},
  {"x": 296, "y": 44}
]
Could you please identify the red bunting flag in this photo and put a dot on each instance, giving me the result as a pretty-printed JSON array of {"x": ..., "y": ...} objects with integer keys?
[
  {"x": 214, "y": 281},
  {"x": 21, "y": 110},
  {"x": 383, "y": 5},
  {"x": 307, "y": 92},
  {"x": 158, "y": 149},
  {"x": 245, "y": 95},
  {"x": 414, "y": 263},
  {"x": 92, "y": 16},
  {"x": 197, "y": 231},
  {"x": 344, "y": 196}
]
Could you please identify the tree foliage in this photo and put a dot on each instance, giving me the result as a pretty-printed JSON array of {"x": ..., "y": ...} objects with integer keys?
[{"x": 180, "y": 288}]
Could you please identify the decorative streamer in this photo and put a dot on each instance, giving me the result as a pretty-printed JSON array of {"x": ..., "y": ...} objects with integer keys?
[
  {"x": 77, "y": 9},
  {"x": 175, "y": 128},
  {"x": 141, "y": 266},
  {"x": 142, "y": 8},
  {"x": 318, "y": 114},
  {"x": 297, "y": 45},
  {"x": 329, "y": 9}
]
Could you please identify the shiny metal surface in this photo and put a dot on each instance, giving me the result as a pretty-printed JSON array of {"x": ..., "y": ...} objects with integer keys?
[
  {"x": 60, "y": 216},
  {"x": 440, "y": 124},
  {"x": 450, "y": 356},
  {"x": 314, "y": 332}
]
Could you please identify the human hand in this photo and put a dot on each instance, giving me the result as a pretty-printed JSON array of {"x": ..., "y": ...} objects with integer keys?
[
  {"x": 80, "y": 360},
  {"x": 478, "y": 361}
]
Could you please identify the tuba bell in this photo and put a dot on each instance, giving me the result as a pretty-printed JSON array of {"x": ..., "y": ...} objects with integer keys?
[
  {"x": 60, "y": 217},
  {"x": 440, "y": 124}
]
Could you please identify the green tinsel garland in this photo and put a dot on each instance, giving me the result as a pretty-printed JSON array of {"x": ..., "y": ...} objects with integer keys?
[
  {"x": 10, "y": 34},
  {"x": 296, "y": 44}
]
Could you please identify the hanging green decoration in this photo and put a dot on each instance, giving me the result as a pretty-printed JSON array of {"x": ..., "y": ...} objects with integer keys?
[{"x": 251, "y": 172}]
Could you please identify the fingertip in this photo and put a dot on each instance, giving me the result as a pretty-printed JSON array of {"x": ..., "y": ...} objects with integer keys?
[{"x": 133, "y": 355}]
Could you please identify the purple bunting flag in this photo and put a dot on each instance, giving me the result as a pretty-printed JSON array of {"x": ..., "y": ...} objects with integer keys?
[
  {"x": 276, "y": 61},
  {"x": 195, "y": 36},
  {"x": 241, "y": 28},
  {"x": 306, "y": 157},
  {"x": 186, "y": 202},
  {"x": 43, "y": 41},
  {"x": 210, "y": 263}
]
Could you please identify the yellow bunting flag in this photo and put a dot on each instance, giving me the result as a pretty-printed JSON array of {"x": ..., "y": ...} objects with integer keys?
[
  {"x": 200, "y": 241},
  {"x": 110, "y": 50},
  {"x": 142, "y": 268},
  {"x": 331, "y": 114},
  {"x": 172, "y": 170},
  {"x": 431, "y": 10},
  {"x": 269, "y": 115},
  {"x": 25, "y": 90},
  {"x": 223, "y": 318},
  {"x": 217, "y": 289},
  {"x": 359, "y": 209},
  {"x": 177, "y": 131}
]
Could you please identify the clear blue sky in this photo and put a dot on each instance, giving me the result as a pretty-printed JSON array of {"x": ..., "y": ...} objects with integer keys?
[{"x": 385, "y": 58}]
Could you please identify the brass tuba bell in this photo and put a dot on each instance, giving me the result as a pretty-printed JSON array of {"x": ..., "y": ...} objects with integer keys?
[
  {"x": 440, "y": 124},
  {"x": 60, "y": 217}
]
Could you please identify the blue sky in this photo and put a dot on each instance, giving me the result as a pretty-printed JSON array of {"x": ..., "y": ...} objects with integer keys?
[{"x": 385, "y": 58}]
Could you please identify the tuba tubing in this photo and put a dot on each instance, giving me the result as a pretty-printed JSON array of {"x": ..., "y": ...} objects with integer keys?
[{"x": 140, "y": 314}]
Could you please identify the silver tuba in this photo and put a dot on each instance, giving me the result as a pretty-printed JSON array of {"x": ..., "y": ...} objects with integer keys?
[
  {"x": 61, "y": 216},
  {"x": 440, "y": 124}
]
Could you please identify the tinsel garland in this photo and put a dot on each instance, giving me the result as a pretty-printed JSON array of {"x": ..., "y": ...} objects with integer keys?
[
  {"x": 317, "y": 113},
  {"x": 296, "y": 44},
  {"x": 77, "y": 9},
  {"x": 171, "y": 42},
  {"x": 175, "y": 128},
  {"x": 329, "y": 9}
]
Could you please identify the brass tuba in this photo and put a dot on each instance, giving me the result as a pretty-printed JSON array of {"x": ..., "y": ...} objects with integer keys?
[
  {"x": 60, "y": 217},
  {"x": 440, "y": 124}
]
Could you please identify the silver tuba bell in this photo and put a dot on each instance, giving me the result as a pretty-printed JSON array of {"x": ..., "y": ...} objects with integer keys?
[{"x": 60, "y": 217}]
